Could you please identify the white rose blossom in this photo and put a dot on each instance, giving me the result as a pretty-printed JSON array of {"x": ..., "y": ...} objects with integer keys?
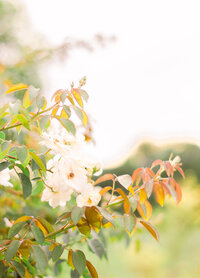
[
  {"x": 90, "y": 197},
  {"x": 69, "y": 171},
  {"x": 5, "y": 177},
  {"x": 56, "y": 198}
]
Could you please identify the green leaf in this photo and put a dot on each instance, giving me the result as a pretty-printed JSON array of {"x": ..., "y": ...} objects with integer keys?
[
  {"x": 106, "y": 215},
  {"x": 74, "y": 274},
  {"x": 76, "y": 214},
  {"x": 12, "y": 249},
  {"x": 2, "y": 136},
  {"x": 5, "y": 147},
  {"x": 40, "y": 101},
  {"x": 23, "y": 121},
  {"x": 25, "y": 171},
  {"x": 63, "y": 96},
  {"x": 46, "y": 224},
  {"x": 79, "y": 261},
  {"x": 38, "y": 188},
  {"x": 19, "y": 268},
  {"x": 2, "y": 269},
  {"x": 44, "y": 122},
  {"x": 38, "y": 160},
  {"x": 30, "y": 267},
  {"x": 15, "y": 229},
  {"x": 97, "y": 246},
  {"x": 4, "y": 165},
  {"x": 86, "y": 274},
  {"x": 130, "y": 222},
  {"x": 2, "y": 122},
  {"x": 57, "y": 252},
  {"x": 68, "y": 125},
  {"x": 84, "y": 94},
  {"x": 40, "y": 258},
  {"x": 78, "y": 112},
  {"x": 22, "y": 155},
  {"x": 38, "y": 234},
  {"x": 26, "y": 185},
  {"x": 67, "y": 110},
  {"x": 148, "y": 187},
  {"x": 25, "y": 113}
]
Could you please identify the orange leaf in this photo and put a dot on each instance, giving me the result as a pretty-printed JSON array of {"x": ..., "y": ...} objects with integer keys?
[
  {"x": 27, "y": 274},
  {"x": 150, "y": 172},
  {"x": 126, "y": 200},
  {"x": 156, "y": 162},
  {"x": 105, "y": 189},
  {"x": 91, "y": 269},
  {"x": 17, "y": 87},
  {"x": 23, "y": 219},
  {"x": 136, "y": 176},
  {"x": 145, "y": 209},
  {"x": 103, "y": 178},
  {"x": 57, "y": 94},
  {"x": 142, "y": 196},
  {"x": 159, "y": 193},
  {"x": 168, "y": 168},
  {"x": 70, "y": 261},
  {"x": 151, "y": 229},
  {"x": 39, "y": 225}
]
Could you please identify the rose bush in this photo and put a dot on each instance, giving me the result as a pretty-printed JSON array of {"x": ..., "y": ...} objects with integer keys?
[{"x": 44, "y": 164}]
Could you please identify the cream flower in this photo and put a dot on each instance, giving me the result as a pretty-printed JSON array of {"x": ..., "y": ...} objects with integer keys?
[
  {"x": 5, "y": 177},
  {"x": 176, "y": 160},
  {"x": 56, "y": 198},
  {"x": 65, "y": 177},
  {"x": 63, "y": 143},
  {"x": 90, "y": 197}
]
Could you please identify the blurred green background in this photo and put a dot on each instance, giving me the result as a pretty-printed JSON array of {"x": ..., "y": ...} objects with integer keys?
[{"x": 177, "y": 254}]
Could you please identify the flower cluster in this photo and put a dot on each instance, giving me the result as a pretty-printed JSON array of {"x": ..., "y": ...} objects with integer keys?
[{"x": 68, "y": 172}]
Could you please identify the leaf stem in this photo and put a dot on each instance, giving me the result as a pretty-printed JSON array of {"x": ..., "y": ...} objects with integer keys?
[{"x": 59, "y": 231}]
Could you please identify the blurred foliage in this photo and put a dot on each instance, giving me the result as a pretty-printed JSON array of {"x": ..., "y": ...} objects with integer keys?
[
  {"x": 23, "y": 50},
  {"x": 148, "y": 152},
  {"x": 19, "y": 52},
  {"x": 178, "y": 253}
]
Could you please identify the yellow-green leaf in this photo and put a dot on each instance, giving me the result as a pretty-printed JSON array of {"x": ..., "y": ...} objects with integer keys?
[
  {"x": 23, "y": 121},
  {"x": 17, "y": 87},
  {"x": 77, "y": 97},
  {"x": 38, "y": 160},
  {"x": 130, "y": 223}
]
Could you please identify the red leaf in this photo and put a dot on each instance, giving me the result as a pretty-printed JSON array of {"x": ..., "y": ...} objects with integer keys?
[
  {"x": 156, "y": 162},
  {"x": 180, "y": 171},
  {"x": 137, "y": 173}
]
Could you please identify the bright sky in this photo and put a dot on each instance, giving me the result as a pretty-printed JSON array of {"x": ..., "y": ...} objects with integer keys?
[{"x": 147, "y": 83}]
